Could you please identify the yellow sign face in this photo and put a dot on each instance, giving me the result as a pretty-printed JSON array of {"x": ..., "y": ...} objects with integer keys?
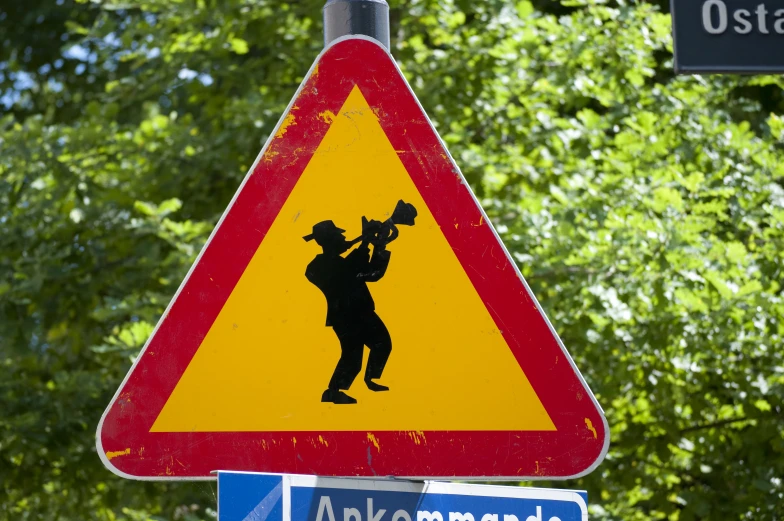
[{"x": 268, "y": 359}]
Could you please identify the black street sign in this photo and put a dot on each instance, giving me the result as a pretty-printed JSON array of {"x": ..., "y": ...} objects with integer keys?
[{"x": 728, "y": 36}]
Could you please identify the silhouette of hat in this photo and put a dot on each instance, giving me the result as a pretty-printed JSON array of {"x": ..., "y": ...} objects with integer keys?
[{"x": 323, "y": 230}]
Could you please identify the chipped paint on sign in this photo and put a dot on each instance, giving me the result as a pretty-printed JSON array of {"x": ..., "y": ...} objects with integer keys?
[
  {"x": 327, "y": 116},
  {"x": 289, "y": 120},
  {"x": 589, "y": 424},
  {"x": 417, "y": 436},
  {"x": 372, "y": 439},
  {"x": 110, "y": 455}
]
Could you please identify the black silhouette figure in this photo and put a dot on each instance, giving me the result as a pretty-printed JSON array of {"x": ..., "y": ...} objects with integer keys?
[{"x": 350, "y": 307}]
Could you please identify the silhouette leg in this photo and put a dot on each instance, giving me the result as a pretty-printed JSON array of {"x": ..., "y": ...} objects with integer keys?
[
  {"x": 376, "y": 337},
  {"x": 348, "y": 367}
]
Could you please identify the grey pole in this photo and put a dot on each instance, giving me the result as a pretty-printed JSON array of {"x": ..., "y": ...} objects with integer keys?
[{"x": 367, "y": 17}]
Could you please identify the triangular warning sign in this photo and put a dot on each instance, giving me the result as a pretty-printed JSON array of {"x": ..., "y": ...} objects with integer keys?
[{"x": 354, "y": 313}]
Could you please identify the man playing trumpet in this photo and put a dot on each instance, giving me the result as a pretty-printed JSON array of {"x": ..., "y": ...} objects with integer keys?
[{"x": 350, "y": 307}]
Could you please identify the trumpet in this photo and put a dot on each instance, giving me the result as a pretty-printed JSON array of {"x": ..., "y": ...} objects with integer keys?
[{"x": 382, "y": 233}]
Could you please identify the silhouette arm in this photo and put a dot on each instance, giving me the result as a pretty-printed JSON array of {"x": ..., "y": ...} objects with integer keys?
[
  {"x": 369, "y": 268},
  {"x": 377, "y": 266}
]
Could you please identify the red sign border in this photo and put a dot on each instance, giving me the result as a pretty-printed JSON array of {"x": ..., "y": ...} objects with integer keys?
[{"x": 581, "y": 440}]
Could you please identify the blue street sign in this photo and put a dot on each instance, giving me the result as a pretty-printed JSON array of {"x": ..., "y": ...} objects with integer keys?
[
  {"x": 245, "y": 496},
  {"x": 728, "y": 36}
]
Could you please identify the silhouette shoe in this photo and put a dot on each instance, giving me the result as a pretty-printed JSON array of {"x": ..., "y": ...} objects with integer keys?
[
  {"x": 336, "y": 396},
  {"x": 373, "y": 386}
]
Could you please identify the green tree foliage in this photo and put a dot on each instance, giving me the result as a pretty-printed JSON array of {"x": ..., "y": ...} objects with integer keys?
[{"x": 646, "y": 211}]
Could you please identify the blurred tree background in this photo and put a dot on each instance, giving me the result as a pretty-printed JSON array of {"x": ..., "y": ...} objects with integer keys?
[{"x": 646, "y": 211}]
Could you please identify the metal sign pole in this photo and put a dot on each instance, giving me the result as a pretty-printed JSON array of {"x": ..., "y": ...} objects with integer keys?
[{"x": 366, "y": 17}]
